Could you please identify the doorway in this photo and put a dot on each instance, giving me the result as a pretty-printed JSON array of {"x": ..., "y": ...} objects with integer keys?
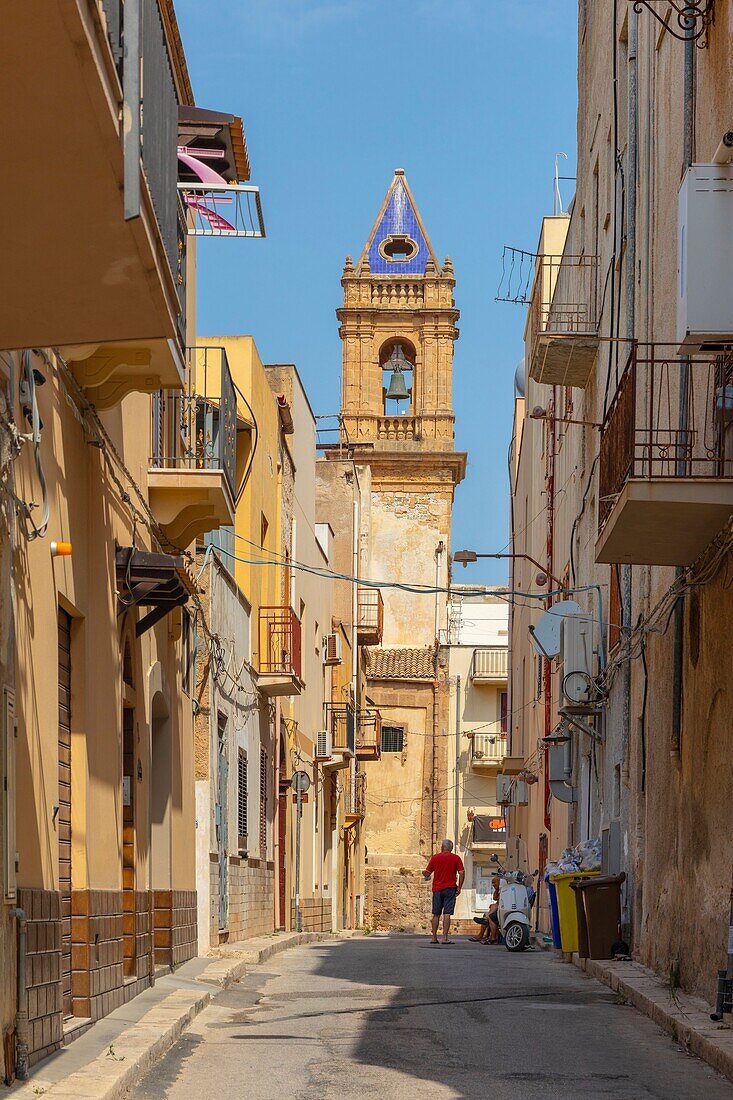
[
  {"x": 129, "y": 846},
  {"x": 160, "y": 794},
  {"x": 222, "y": 820}
]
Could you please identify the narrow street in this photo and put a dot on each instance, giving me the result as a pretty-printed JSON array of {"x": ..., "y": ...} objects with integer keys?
[{"x": 391, "y": 1016}]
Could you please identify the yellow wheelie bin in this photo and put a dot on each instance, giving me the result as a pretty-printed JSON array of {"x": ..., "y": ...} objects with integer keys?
[{"x": 566, "y": 907}]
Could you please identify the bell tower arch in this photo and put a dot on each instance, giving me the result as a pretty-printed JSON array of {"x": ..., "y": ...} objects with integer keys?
[{"x": 398, "y": 325}]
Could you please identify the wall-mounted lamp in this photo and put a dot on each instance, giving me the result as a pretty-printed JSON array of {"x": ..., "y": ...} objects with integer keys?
[
  {"x": 61, "y": 549},
  {"x": 538, "y": 413}
]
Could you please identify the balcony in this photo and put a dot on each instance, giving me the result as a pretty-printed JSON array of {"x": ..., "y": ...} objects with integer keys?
[
  {"x": 191, "y": 481},
  {"x": 562, "y": 336},
  {"x": 368, "y": 734},
  {"x": 341, "y": 722},
  {"x": 279, "y": 654},
  {"x": 93, "y": 238},
  {"x": 487, "y": 750},
  {"x": 355, "y": 800},
  {"x": 370, "y": 616},
  {"x": 489, "y": 666},
  {"x": 666, "y": 461}
]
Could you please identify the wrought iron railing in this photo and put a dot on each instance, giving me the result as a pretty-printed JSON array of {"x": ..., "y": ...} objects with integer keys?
[
  {"x": 197, "y": 428},
  {"x": 490, "y": 663},
  {"x": 488, "y": 748},
  {"x": 368, "y": 730},
  {"x": 564, "y": 297},
  {"x": 341, "y": 721},
  {"x": 355, "y": 799},
  {"x": 667, "y": 419},
  {"x": 370, "y": 611},
  {"x": 158, "y": 107},
  {"x": 279, "y": 642}
]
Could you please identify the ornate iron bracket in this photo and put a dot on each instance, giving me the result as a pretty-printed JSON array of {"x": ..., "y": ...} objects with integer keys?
[{"x": 693, "y": 17}]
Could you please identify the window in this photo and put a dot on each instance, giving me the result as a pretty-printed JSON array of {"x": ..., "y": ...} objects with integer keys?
[
  {"x": 398, "y": 248},
  {"x": 263, "y": 803},
  {"x": 242, "y": 799},
  {"x": 504, "y": 711},
  {"x": 393, "y": 738},
  {"x": 264, "y": 527}
]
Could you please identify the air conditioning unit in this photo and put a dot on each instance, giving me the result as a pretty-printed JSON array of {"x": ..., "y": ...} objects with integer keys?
[
  {"x": 324, "y": 745},
  {"x": 332, "y": 653},
  {"x": 705, "y": 258},
  {"x": 511, "y": 791},
  {"x": 576, "y": 653}
]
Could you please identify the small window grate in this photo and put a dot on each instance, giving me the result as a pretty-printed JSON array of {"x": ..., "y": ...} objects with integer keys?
[
  {"x": 242, "y": 795},
  {"x": 393, "y": 738}
]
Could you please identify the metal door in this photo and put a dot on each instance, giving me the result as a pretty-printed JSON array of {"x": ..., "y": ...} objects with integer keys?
[
  {"x": 222, "y": 821},
  {"x": 63, "y": 806}
]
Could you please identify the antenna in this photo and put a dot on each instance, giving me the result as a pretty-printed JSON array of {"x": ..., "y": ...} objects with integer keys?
[{"x": 557, "y": 207}]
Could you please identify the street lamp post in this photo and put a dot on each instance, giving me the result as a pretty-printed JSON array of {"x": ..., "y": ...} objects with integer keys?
[{"x": 466, "y": 557}]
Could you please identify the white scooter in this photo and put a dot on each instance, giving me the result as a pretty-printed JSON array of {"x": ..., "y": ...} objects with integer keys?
[{"x": 516, "y": 896}]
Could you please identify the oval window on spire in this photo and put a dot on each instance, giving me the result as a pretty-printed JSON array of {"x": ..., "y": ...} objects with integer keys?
[{"x": 398, "y": 248}]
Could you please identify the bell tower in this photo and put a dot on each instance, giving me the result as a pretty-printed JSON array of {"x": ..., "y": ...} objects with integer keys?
[{"x": 398, "y": 327}]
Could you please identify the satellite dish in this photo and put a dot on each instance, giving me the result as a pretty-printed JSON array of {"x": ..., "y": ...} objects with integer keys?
[{"x": 545, "y": 637}]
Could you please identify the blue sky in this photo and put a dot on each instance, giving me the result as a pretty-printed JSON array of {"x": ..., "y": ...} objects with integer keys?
[{"x": 473, "y": 98}]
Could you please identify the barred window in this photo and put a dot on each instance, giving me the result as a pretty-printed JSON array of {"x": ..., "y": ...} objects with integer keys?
[
  {"x": 393, "y": 738},
  {"x": 263, "y": 803},
  {"x": 242, "y": 798}
]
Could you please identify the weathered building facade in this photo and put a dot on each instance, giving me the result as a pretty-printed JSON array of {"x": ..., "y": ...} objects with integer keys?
[{"x": 622, "y": 485}]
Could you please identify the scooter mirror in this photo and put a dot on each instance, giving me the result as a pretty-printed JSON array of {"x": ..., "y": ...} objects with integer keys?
[{"x": 494, "y": 858}]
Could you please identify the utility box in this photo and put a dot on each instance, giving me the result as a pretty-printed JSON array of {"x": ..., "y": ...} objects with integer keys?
[
  {"x": 511, "y": 791},
  {"x": 705, "y": 259}
]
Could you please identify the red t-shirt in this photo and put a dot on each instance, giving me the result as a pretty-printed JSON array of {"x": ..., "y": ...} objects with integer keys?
[{"x": 444, "y": 866}]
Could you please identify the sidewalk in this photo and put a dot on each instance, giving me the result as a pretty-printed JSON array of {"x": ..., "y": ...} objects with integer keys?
[
  {"x": 117, "y": 1051},
  {"x": 685, "y": 1018}
]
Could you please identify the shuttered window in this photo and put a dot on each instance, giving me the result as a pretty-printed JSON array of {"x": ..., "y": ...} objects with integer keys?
[
  {"x": 242, "y": 798},
  {"x": 263, "y": 804},
  {"x": 393, "y": 738}
]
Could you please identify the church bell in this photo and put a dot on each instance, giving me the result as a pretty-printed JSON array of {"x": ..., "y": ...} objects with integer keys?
[{"x": 397, "y": 390}]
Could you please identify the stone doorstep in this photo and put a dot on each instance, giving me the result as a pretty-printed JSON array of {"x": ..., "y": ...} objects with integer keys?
[{"x": 686, "y": 1018}]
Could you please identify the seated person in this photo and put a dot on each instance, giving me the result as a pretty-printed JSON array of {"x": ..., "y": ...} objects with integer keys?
[{"x": 490, "y": 920}]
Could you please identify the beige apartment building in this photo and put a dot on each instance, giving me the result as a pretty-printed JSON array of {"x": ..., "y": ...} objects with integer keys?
[
  {"x": 114, "y": 467},
  {"x": 621, "y": 488},
  {"x": 476, "y": 641},
  {"x": 398, "y": 327}
]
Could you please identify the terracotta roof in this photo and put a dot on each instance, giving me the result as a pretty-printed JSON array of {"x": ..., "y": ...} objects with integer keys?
[{"x": 402, "y": 664}]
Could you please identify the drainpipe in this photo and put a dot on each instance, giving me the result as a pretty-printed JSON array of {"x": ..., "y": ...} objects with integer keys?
[
  {"x": 21, "y": 1014},
  {"x": 679, "y": 610},
  {"x": 456, "y": 821}
]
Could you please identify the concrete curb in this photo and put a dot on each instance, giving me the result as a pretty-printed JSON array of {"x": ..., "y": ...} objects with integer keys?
[
  {"x": 111, "y": 1074},
  {"x": 686, "y": 1018}
]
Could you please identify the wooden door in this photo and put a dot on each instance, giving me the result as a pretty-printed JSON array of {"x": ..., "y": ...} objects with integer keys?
[{"x": 63, "y": 817}]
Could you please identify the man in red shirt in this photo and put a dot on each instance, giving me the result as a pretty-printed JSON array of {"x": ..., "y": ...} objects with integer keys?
[{"x": 444, "y": 867}]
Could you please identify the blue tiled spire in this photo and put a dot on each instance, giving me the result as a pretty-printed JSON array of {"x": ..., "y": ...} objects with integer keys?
[{"x": 398, "y": 220}]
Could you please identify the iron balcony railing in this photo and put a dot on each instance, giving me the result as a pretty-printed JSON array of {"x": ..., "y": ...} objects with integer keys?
[
  {"x": 370, "y": 612},
  {"x": 355, "y": 800},
  {"x": 197, "y": 429},
  {"x": 154, "y": 101},
  {"x": 564, "y": 296},
  {"x": 369, "y": 731},
  {"x": 490, "y": 664},
  {"x": 488, "y": 748},
  {"x": 668, "y": 419},
  {"x": 279, "y": 642},
  {"x": 341, "y": 721}
]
